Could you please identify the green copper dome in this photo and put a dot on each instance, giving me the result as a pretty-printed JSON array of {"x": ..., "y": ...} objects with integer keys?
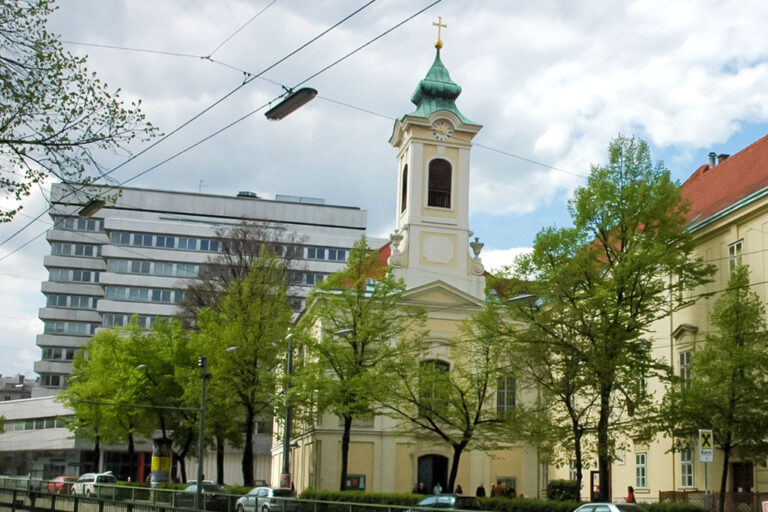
[{"x": 437, "y": 92}]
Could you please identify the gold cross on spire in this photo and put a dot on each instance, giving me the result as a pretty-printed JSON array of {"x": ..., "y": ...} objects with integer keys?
[{"x": 439, "y": 25}]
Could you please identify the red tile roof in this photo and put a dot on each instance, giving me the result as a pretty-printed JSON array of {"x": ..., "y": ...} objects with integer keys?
[{"x": 711, "y": 190}]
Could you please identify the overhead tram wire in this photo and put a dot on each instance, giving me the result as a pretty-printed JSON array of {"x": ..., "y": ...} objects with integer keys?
[
  {"x": 248, "y": 80},
  {"x": 240, "y": 119},
  {"x": 233, "y": 34}
]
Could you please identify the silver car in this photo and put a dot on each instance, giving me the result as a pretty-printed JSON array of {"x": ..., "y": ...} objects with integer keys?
[
  {"x": 268, "y": 499},
  {"x": 610, "y": 507}
]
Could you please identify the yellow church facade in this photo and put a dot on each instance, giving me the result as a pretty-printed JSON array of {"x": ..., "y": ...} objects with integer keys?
[{"x": 436, "y": 254}]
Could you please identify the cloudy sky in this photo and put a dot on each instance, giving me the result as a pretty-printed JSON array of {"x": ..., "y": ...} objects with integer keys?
[{"x": 552, "y": 82}]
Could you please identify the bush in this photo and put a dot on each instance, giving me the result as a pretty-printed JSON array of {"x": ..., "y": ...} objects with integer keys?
[
  {"x": 563, "y": 490},
  {"x": 362, "y": 497},
  {"x": 528, "y": 505},
  {"x": 672, "y": 507}
]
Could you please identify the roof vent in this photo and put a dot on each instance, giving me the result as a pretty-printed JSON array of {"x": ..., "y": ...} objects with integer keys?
[
  {"x": 711, "y": 159},
  {"x": 247, "y": 193},
  {"x": 721, "y": 157}
]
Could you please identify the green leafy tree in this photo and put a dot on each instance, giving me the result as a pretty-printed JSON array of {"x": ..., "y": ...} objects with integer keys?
[
  {"x": 354, "y": 319},
  {"x": 125, "y": 383},
  {"x": 726, "y": 391},
  {"x": 622, "y": 265},
  {"x": 254, "y": 316},
  {"x": 455, "y": 403},
  {"x": 557, "y": 420},
  {"x": 55, "y": 112}
]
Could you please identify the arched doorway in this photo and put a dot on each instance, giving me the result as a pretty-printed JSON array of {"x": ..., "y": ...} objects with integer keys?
[{"x": 433, "y": 469}]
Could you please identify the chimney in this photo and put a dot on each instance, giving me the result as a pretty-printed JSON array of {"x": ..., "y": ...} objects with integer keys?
[
  {"x": 721, "y": 158},
  {"x": 711, "y": 159}
]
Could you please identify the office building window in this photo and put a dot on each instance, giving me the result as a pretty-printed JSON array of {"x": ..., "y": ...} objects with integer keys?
[
  {"x": 337, "y": 254},
  {"x": 735, "y": 254},
  {"x": 573, "y": 470},
  {"x": 686, "y": 468},
  {"x": 316, "y": 253},
  {"x": 641, "y": 470},
  {"x": 168, "y": 242}
]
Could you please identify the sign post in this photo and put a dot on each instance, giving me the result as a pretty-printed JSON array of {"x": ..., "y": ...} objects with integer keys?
[{"x": 706, "y": 451}]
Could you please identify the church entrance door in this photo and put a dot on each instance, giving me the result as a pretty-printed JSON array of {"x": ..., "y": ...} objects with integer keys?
[{"x": 433, "y": 469}]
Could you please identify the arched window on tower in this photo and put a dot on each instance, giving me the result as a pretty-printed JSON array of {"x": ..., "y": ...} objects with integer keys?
[
  {"x": 404, "y": 197},
  {"x": 439, "y": 183}
]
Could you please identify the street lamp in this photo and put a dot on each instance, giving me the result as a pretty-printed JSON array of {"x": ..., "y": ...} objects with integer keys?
[
  {"x": 285, "y": 476},
  {"x": 292, "y": 102},
  {"x": 202, "y": 362}
]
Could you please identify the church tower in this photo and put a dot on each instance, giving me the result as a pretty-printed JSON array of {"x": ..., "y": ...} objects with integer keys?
[{"x": 432, "y": 241}]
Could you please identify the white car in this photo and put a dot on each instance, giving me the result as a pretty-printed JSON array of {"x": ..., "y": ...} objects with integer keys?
[
  {"x": 96, "y": 484},
  {"x": 610, "y": 507}
]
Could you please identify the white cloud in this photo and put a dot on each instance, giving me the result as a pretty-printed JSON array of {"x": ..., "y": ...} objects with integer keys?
[{"x": 496, "y": 259}]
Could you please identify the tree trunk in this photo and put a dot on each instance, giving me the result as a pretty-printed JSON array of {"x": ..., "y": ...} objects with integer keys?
[
  {"x": 724, "y": 478},
  {"x": 97, "y": 454},
  {"x": 183, "y": 457},
  {"x": 219, "y": 460},
  {"x": 345, "y": 452},
  {"x": 134, "y": 474},
  {"x": 577, "y": 435},
  {"x": 603, "y": 455},
  {"x": 458, "y": 449},
  {"x": 248, "y": 448}
]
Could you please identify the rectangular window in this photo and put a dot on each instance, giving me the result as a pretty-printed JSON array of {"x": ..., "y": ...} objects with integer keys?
[
  {"x": 316, "y": 253},
  {"x": 118, "y": 266},
  {"x": 61, "y": 249},
  {"x": 138, "y": 294},
  {"x": 686, "y": 468},
  {"x": 116, "y": 292},
  {"x": 186, "y": 270},
  {"x": 85, "y": 250},
  {"x": 57, "y": 301},
  {"x": 190, "y": 244},
  {"x": 685, "y": 366},
  {"x": 113, "y": 320},
  {"x": 58, "y": 274},
  {"x": 120, "y": 238},
  {"x": 505, "y": 395},
  {"x": 735, "y": 254},
  {"x": 142, "y": 239},
  {"x": 337, "y": 254},
  {"x": 140, "y": 267},
  {"x": 69, "y": 354},
  {"x": 82, "y": 276},
  {"x": 167, "y": 242},
  {"x": 313, "y": 278},
  {"x": 573, "y": 470},
  {"x": 641, "y": 470},
  {"x": 163, "y": 269}
]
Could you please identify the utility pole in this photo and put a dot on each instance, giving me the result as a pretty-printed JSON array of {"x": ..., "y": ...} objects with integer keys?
[{"x": 202, "y": 362}]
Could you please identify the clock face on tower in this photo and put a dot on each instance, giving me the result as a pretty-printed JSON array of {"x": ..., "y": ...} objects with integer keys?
[{"x": 442, "y": 130}]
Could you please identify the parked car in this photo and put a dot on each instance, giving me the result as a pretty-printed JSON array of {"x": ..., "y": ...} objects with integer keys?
[
  {"x": 268, "y": 499},
  {"x": 450, "y": 502},
  {"x": 610, "y": 507},
  {"x": 103, "y": 485},
  {"x": 214, "y": 497},
  {"x": 62, "y": 484}
]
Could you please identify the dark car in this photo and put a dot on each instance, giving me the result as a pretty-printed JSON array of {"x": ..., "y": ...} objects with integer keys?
[
  {"x": 62, "y": 484},
  {"x": 214, "y": 497},
  {"x": 450, "y": 502},
  {"x": 268, "y": 499}
]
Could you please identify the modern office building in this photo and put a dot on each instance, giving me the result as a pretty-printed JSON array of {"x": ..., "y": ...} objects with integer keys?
[{"x": 136, "y": 255}]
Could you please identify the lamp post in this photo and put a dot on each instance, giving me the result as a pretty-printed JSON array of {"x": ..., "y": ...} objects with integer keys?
[
  {"x": 202, "y": 362},
  {"x": 285, "y": 476}
]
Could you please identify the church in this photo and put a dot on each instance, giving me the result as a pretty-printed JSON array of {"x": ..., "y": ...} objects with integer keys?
[{"x": 436, "y": 254}]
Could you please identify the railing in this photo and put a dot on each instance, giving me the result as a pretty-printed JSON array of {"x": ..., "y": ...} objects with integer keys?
[
  {"x": 32, "y": 495},
  {"x": 734, "y": 501}
]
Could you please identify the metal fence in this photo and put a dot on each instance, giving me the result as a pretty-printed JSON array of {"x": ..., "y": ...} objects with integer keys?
[
  {"x": 18, "y": 494},
  {"x": 734, "y": 501}
]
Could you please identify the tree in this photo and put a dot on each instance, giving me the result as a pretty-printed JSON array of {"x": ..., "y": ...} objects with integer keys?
[
  {"x": 55, "y": 112},
  {"x": 125, "y": 383},
  {"x": 453, "y": 403},
  {"x": 622, "y": 265},
  {"x": 558, "y": 419},
  {"x": 253, "y": 316},
  {"x": 353, "y": 319},
  {"x": 726, "y": 391},
  {"x": 241, "y": 246}
]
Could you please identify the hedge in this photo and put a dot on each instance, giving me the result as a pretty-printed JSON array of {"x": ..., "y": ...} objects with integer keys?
[
  {"x": 377, "y": 498},
  {"x": 563, "y": 490}
]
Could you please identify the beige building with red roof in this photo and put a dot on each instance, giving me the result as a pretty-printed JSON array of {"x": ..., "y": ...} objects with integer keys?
[{"x": 729, "y": 218}]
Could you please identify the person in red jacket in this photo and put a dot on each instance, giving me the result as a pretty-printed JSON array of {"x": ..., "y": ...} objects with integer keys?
[{"x": 631, "y": 495}]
